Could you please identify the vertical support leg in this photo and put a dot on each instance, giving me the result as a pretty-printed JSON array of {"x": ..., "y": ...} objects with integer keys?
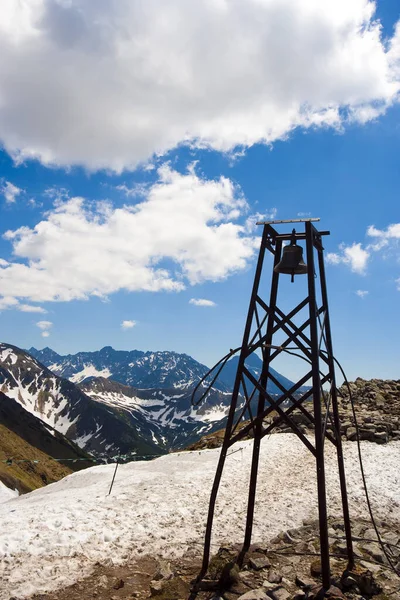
[
  {"x": 232, "y": 410},
  {"x": 342, "y": 475},
  {"x": 260, "y": 409},
  {"x": 319, "y": 440}
]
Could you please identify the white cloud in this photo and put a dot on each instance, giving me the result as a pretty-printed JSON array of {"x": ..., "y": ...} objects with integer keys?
[
  {"x": 184, "y": 232},
  {"x": 31, "y": 309},
  {"x": 201, "y": 302},
  {"x": 251, "y": 222},
  {"x": 354, "y": 256},
  {"x": 45, "y": 334},
  {"x": 44, "y": 325},
  {"x": 386, "y": 240},
  {"x": 7, "y": 302},
  {"x": 392, "y": 232},
  {"x": 8, "y": 189},
  {"x": 362, "y": 293},
  {"x": 136, "y": 190},
  {"x": 128, "y": 324},
  {"x": 108, "y": 84}
]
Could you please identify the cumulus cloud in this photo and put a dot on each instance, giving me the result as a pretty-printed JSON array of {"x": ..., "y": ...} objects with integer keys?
[
  {"x": 354, "y": 256},
  {"x": 184, "y": 232},
  {"x": 385, "y": 244},
  {"x": 383, "y": 237},
  {"x": 201, "y": 302},
  {"x": 9, "y": 190},
  {"x": 110, "y": 84},
  {"x": 362, "y": 293},
  {"x": 44, "y": 326},
  {"x": 31, "y": 309},
  {"x": 128, "y": 324}
]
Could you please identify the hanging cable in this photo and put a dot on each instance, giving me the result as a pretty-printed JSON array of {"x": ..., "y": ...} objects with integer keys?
[
  {"x": 223, "y": 360},
  {"x": 290, "y": 350},
  {"x": 381, "y": 543}
]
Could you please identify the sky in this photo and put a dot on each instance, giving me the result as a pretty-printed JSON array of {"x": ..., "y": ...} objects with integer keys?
[{"x": 140, "y": 143}]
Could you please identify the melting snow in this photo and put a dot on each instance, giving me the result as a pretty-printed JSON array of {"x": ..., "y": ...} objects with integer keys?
[
  {"x": 54, "y": 536},
  {"x": 90, "y": 371},
  {"x": 8, "y": 353},
  {"x": 6, "y": 494}
]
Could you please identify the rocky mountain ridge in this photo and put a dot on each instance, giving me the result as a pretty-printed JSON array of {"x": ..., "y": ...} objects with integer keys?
[
  {"x": 105, "y": 417},
  {"x": 59, "y": 403},
  {"x": 148, "y": 370},
  {"x": 161, "y": 369},
  {"x": 377, "y": 408},
  {"x": 166, "y": 413}
]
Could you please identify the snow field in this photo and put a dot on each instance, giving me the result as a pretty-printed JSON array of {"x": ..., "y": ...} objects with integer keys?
[
  {"x": 6, "y": 493},
  {"x": 53, "y": 536}
]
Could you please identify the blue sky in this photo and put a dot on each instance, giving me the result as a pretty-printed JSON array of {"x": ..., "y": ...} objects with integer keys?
[{"x": 165, "y": 213}]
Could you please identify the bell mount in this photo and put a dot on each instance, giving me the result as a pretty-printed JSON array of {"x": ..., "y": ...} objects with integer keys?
[{"x": 313, "y": 342}]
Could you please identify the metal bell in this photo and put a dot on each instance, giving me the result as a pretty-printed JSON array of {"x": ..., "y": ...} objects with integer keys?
[{"x": 292, "y": 262}]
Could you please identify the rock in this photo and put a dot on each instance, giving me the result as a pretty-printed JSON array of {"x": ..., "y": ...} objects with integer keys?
[
  {"x": 381, "y": 437},
  {"x": 303, "y": 582},
  {"x": 229, "y": 575},
  {"x": 375, "y": 551},
  {"x": 163, "y": 571},
  {"x": 170, "y": 590},
  {"x": 156, "y": 587},
  {"x": 299, "y": 596},
  {"x": 258, "y": 594},
  {"x": 351, "y": 433},
  {"x": 274, "y": 576},
  {"x": 259, "y": 563},
  {"x": 334, "y": 592},
  {"x": 279, "y": 594},
  {"x": 119, "y": 584},
  {"x": 315, "y": 568},
  {"x": 102, "y": 581},
  {"x": 391, "y": 537},
  {"x": 363, "y": 579}
]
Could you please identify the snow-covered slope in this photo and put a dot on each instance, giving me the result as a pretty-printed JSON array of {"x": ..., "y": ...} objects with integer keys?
[
  {"x": 63, "y": 406},
  {"x": 55, "y": 535},
  {"x": 167, "y": 413},
  {"x": 105, "y": 417}
]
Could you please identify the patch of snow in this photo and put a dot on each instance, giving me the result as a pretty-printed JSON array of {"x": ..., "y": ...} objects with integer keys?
[
  {"x": 6, "y": 493},
  {"x": 90, "y": 371},
  {"x": 54, "y": 536},
  {"x": 8, "y": 353}
]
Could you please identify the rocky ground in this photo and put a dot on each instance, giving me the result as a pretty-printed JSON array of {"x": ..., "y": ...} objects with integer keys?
[
  {"x": 377, "y": 407},
  {"x": 284, "y": 568}
]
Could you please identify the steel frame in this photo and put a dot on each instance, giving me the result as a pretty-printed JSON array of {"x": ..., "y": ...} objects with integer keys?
[{"x": 316, "y": 349}]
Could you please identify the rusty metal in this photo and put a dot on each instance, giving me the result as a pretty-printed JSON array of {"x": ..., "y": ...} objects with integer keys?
[{"x": 312, "y": 341}]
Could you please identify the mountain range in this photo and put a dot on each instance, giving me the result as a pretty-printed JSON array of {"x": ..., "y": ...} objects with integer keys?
[
  {"x": 112, "y": 402},
  {"x": 143, "y": 370}
]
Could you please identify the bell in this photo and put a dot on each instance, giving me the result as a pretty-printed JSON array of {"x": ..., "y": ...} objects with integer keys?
[{"x": 292, "y": 262}]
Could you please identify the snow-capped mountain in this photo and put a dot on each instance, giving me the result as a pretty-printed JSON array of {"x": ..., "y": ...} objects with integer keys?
[
  {"x": 148, "y": 370},
  {"x": 105, "y": 417},
  {"x": 167, "y": 413},
  {"x": 134, "y": 368},
  {"x": 59, "y": 403},
  {"x": 100, "y": 410}
]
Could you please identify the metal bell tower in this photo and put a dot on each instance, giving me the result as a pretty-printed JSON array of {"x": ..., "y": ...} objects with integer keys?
[{"x": 313, "y": 342}]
